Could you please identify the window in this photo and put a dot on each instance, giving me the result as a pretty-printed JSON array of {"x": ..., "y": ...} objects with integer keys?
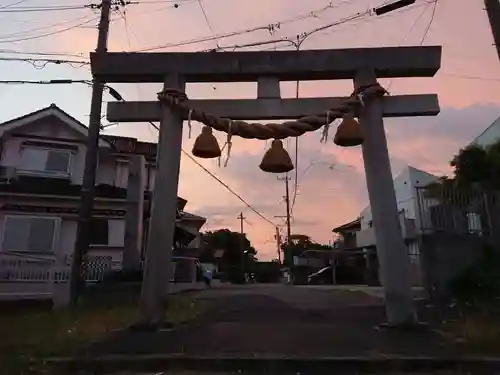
[
  {"x": 414, "y": 253},
  {"x": 45, "y": 161},
  {"x": 99, "y": 232},
  {"x": 29, "y": 233}
]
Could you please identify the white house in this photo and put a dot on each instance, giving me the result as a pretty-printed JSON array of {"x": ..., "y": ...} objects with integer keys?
[
  {"x": 489, "y": 135},
  {"x": 41, "y": 168},
  {"x": 406, "y": 186}
]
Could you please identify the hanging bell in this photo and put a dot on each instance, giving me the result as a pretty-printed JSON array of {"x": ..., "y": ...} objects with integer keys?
[
  {"x": 206, "y": 145},
  {"x": 349, "y": 132},
  {"x": 276, "y": 159}
]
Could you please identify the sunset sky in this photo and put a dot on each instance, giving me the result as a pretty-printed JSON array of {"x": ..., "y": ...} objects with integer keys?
[{"x": 332, "y": 187}]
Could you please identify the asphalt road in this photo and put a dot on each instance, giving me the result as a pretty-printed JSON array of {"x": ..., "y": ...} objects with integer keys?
[{"x": 281, "y": 320}]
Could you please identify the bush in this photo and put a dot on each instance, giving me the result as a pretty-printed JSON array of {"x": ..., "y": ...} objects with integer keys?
[
  {"x": 479, "y": 285},
  {"x": 122, "y": 276}
]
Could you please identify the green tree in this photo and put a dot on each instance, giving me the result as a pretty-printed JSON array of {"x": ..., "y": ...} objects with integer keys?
[
  {"x": 230, "y": 243},
  {"x": 473, "y": 167},
  {"x": 299, "y": 244}
]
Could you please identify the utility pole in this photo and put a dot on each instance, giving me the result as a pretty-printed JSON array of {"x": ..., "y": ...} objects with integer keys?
[
  {"x": 88, "y": 184},
  {"x": 493, "y": 11},
  {"x": 242, "y": 242},
  {"x": 278, "y": 243},
  {"x": 287, "y": 201}
]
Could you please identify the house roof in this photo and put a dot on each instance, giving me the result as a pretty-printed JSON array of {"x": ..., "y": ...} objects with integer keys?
[
  {"x": 51, "y": 110},
  {"x": 196, "y": 222},
  {"x": 125, "y": 145},
  {"x": 352, "y": 225}
]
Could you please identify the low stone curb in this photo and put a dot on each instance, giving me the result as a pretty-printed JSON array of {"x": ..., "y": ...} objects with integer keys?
[{"x": 273, "y": 364}]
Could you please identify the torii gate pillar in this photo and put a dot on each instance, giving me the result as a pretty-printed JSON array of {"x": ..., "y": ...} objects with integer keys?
[{"x": 391, "y": 250}]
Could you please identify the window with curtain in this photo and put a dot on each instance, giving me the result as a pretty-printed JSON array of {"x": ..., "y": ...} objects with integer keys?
[
  {"x": 45, "y": 161},
  {"x": 28, "y": 233}
]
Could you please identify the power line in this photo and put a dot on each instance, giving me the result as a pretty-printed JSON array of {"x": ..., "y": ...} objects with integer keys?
[
  {"x": 430, "y": 22},
  {"x": 51, "y": 33},
  {"x": 62, "y": 7},
  {"x": 12, "y": 4},
  {"x": 207, "y": 20},
  {"x": 409, "y": 33},
  {"x": 48, "y": 82},
  {"x": 17, "y": 33},
  {"x": 479, "y": 78},
  {"x": 48, "y": 8},
  {"x": 271, "y": 27},
  {"x": 222, "y": 183},
  {"x": 44, "y": 62},
  {"x": 42, "y": 53}
]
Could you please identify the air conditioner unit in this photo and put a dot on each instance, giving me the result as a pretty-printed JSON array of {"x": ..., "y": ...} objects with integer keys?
[{"x": 7, "y": 174}]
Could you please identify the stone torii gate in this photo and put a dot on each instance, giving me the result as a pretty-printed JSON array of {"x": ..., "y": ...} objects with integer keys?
[{"x": 268, "y": 68}]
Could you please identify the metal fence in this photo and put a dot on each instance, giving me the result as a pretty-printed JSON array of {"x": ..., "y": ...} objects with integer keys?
[
  {"x": 26, "y": 268},
  {"x": 459, "y": 212}
]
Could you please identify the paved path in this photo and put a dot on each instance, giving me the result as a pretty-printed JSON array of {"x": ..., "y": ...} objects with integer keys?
[{"x": 283, "y": 321}]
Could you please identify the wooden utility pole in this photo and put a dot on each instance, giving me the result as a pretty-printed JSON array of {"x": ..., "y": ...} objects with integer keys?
[
  {"x": 91, "y": 156},
  {"x": 278, "y": 244},
  {"x": 242, "y": 241},
  {"x": 493, "y": 11},
  {"x": 287, "y": 202},
  {"x": 276, "y": 66}
]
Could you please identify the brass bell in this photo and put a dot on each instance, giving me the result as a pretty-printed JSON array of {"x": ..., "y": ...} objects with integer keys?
[
  {"x": 276, "y": 159},
  {"x": 206, "y": 145},
  {"x": 349, "y": 132}
]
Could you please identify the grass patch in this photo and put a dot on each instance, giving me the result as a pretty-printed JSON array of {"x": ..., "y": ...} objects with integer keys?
[
  {"x": 29, "y": 336},
  {"x": 480, "y": 333}
]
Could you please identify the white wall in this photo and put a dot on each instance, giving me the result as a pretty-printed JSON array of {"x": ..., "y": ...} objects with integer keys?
[
  {"x": 121, "y": 174},
  {"x": 489, "y": 136},
  {"x": 111, "y": 170},
  {"x": 48, "y": 127},
  {"x": 107, "y": 170},
  {"x": 405, "y": 187},
  {"x": 52, "y": 127}
]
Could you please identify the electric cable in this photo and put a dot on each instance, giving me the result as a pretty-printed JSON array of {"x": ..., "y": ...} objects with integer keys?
[
  {"x": 21, "y": 32},
  {"x": 51, "y": 33},
  {"x": 271, "y": 27},
  {"x": 44, "y": 62},
  {"x": 258, "y": 213}
]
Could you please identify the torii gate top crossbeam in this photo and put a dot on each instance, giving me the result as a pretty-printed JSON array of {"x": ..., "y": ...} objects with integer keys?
[{"x": 283, "y": 65}]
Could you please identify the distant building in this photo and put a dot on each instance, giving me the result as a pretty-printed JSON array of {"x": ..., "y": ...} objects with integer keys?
[
  {"x": 489, "y": 135},
  {"x": 360, "y": 234}
]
